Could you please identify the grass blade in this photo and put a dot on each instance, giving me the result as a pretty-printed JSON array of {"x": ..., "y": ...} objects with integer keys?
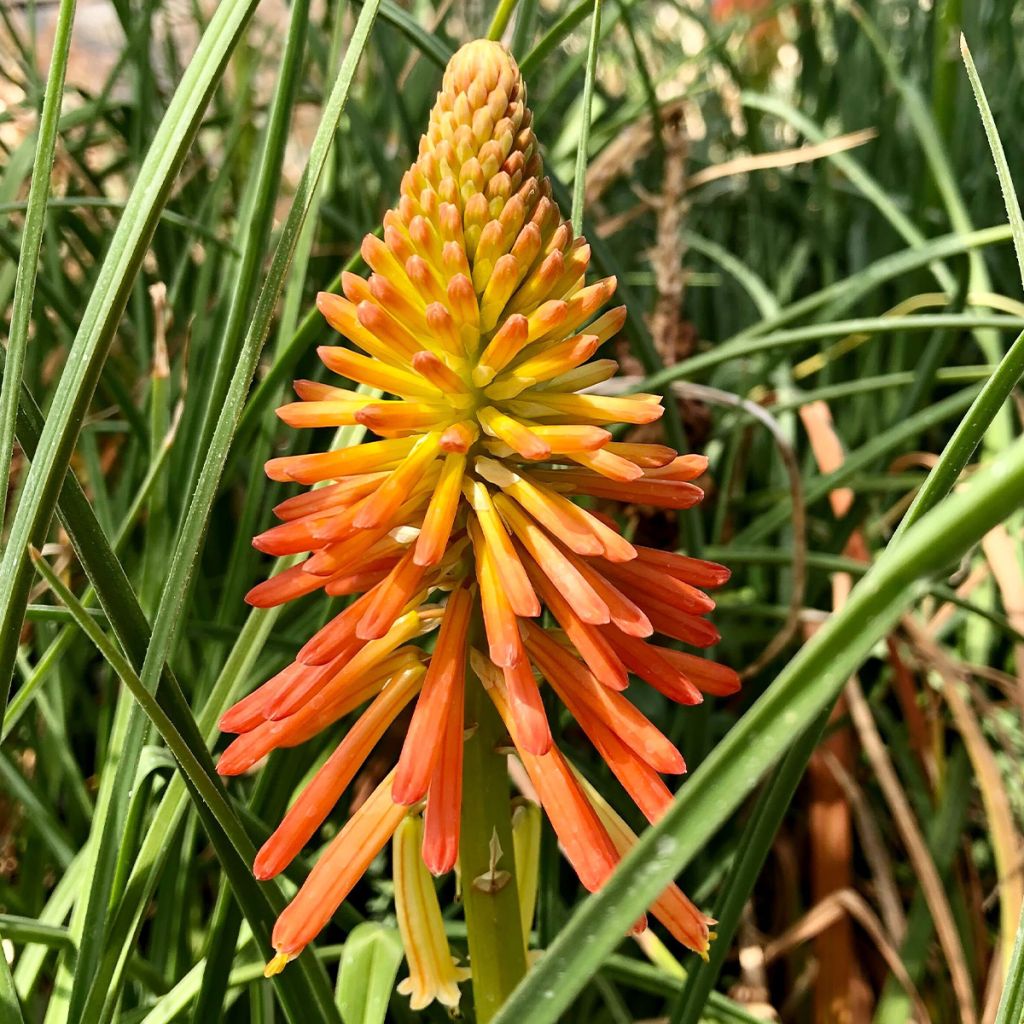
[
  {"x": 579, "y": 187},
  {"x": 32, "y": 238}
]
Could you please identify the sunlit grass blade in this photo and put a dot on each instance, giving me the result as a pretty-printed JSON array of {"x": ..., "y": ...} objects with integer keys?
[
  {"x": 583, "y": 141},
  {"x": 32, "y": 238}
]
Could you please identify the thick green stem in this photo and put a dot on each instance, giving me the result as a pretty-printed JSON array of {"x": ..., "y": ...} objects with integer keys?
[{"x": 496, "y": 949}]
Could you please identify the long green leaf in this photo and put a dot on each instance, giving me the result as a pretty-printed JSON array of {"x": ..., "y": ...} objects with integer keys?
[{"x": 32, "y": 239}]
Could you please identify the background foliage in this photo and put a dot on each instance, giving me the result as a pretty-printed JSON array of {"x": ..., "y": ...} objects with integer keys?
[{"x": 800, "y": 204}]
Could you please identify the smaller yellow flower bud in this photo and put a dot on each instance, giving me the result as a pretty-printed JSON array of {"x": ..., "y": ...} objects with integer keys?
[{"x": 432, "y": 970}]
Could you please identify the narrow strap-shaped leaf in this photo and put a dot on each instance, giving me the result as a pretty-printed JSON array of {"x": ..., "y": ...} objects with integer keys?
[
  {"x": 579, "y": 187},
  {"x": 32, "y": 238},
  {"x": 10, "y": 1007}
]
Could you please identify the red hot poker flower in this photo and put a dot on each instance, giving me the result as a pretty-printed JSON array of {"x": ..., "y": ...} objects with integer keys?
[{"x": 478, "y": 322}]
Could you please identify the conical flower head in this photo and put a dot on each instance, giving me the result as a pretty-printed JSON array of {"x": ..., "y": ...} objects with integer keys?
[{"x": 473, "y": 332}]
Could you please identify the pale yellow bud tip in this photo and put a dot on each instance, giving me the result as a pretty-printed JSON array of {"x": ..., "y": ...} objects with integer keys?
[{"x": 276, "y": 965}]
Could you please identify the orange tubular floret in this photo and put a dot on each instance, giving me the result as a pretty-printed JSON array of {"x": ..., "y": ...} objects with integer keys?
[
  {"x": 688, "y": 628},
  {"x": 653, "y": 665},
  {"x": 328, "y": 642},
  {"x": 570, "y": 583},
  {"x": 685, "y": 922},
  {"x": 708, "y": 676},
  {"x": 440, "y": 518},
  {"x": 334, "y": 413},
  {"x": 608, "y": 465},
  {"x": 500, "y": 622},
  {"x": 285, "y": 586},
  {"x": 326, "y": 708},
  {"x": 381, "y": 506},
  {"x": 445, "y": 675},
  {"x": 591, "y": 643},
  {"x": 572, "y": 438},
  {"x": 444, "y": 797},
  {"x": 643, "y": 580},
  {"x": 390, "y": 597},
  {"x": 342, "y": 864},
  {"x": 587, "y": 699},
  {"x": 585, "y": 841},
  {"x": 362, "y": 657},
  {"x": 629, "y": 617},
  {"x": 362, "y": 458},
  {"x": 526, "y": 707},
  {"x": 375, "y": 373},
  {"x": 694, "y": 571},
  {"x": 330, "y": 498},
  {"x": 516, "y": 435},
  {"x": 557, "y": 514},
  {"x": 503, "y": 557},
  {"x": 324, "y": 790}
]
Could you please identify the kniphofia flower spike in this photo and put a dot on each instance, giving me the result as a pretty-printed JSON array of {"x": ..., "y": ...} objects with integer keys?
[{"x": 479, "y": 325}]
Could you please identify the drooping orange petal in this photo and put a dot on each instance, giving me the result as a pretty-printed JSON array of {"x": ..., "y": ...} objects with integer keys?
[
  {"x": 509, "y": 569},
  {"x": 360, "y": 458},
  {"x": 441, "y": 820},
  {"x": 324, "y": 790},
  {"x": 391, "y": 597},
  {"x": 591, "y": 643},
  {"x": 341, "y": 865},
  {"x": 444, "y": 504},
  {"x": 533, "y": 733},
  {"x": 445, "y": 675},
  {"x": 587, "y": 846},
  {"x": 500, "y": 622},
  {"x": 285, "y": 586},
  {"x": 576, "y": 686},
  {"x": 549, "y": 558}
]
